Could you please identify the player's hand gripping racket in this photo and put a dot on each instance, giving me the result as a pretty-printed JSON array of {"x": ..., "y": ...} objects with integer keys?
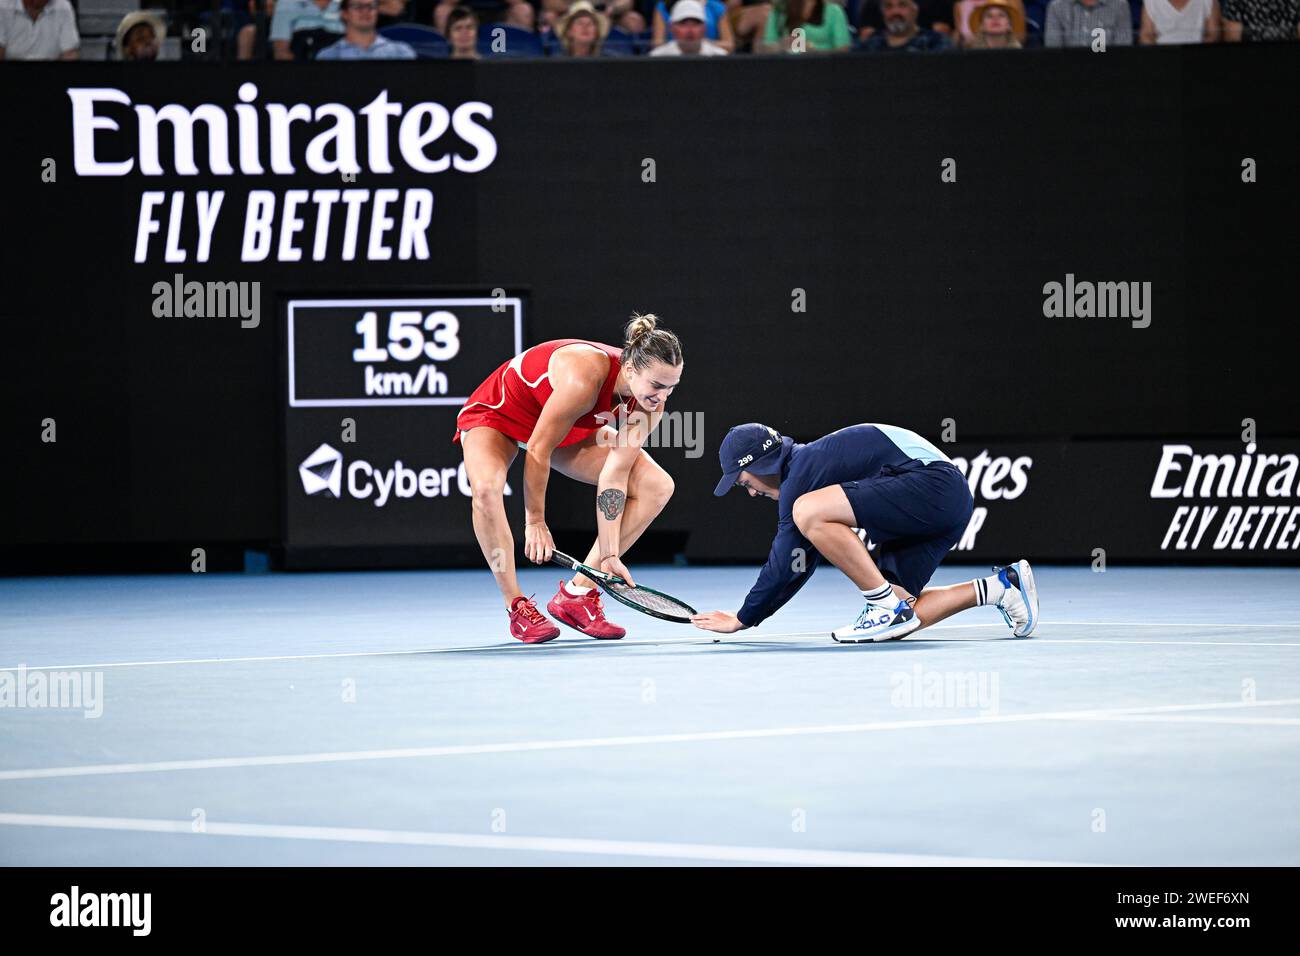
[{"x": 644, "y": 599}]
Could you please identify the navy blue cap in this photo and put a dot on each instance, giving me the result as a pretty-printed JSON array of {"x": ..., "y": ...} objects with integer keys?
[{"x": 743, "y": 448}]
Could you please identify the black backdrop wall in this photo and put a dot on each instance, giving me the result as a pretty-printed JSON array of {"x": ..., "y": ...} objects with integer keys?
[{"x": 777, "y": 183}]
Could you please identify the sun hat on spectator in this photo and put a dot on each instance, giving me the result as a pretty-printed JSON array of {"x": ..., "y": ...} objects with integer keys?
[
  {"x": 1016, "y": 14},
  {"x": 687, "y": 10},
  {"x": 134, "y": 19},
  {"x": 577, "y": 10}
]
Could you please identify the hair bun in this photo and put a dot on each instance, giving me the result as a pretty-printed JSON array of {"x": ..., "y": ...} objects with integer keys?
[{"x": 640, "y": 327}]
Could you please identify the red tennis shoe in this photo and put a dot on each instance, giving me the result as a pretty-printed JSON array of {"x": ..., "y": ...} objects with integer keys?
[
  {"x": 528, "y": 624},
  {"x": 583, "y": 612}
]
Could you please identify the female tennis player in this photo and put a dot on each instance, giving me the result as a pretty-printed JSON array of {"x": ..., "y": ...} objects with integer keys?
[{"x": 584, "y": 409}]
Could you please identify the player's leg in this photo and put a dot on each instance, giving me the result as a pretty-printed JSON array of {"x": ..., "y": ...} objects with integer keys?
[
  {"x": 488, "y": 456},
  {"x": 577, "y": 602},
  {"x": 649, "y": 489}
]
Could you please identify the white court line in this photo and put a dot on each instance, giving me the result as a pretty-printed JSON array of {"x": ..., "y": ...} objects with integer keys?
[
  {"x": 473, "y": 841},
  {"x": 702, "y": 640},
  {"x": 516, "y": 647},
  {"x": 1049, "y": 641},
  {"x": 533, "y": 746},
  {"x": 1199, "y": 719},
  {"x": 1193, "y": 624}
]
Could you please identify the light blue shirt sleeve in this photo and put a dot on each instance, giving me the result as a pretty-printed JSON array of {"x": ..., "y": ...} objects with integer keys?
[{"x": 286, "y": 11}]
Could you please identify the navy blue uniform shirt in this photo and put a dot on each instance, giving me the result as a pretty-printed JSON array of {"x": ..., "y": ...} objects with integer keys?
[{"x": 850, "y": 454}]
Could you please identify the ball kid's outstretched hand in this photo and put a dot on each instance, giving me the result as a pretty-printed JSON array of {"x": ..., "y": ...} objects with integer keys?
[{"x": 720, "y": 622}]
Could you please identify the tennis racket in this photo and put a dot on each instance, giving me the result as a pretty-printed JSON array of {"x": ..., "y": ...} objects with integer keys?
[{"x": 641, "y": 598}]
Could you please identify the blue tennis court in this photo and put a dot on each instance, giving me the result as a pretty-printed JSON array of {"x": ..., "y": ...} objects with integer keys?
[{"x": 386, "y": 718}]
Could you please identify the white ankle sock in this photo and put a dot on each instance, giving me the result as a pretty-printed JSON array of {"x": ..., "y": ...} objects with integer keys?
[
  {"x": 988, "y": 590},
  {"x": 574, "y": 591},
  {"x": 883, "y": 595}
]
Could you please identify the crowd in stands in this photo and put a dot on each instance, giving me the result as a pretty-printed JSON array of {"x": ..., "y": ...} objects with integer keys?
[{"x": 474, "y": 29}]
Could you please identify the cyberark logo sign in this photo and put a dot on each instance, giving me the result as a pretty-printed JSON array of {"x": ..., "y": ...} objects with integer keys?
[{"x": 323, "y": 471}]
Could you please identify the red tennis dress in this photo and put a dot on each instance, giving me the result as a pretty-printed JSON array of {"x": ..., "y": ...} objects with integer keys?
[{"x": 511, "y": 398}]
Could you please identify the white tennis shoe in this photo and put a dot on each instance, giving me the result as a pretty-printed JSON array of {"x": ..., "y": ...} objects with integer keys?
[
  {"x": 878, "y": 623},
  {"x": 1019, "y": 603}
]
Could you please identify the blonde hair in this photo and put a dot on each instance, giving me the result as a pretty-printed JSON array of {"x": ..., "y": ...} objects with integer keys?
[{"x": 645, "y": 342}]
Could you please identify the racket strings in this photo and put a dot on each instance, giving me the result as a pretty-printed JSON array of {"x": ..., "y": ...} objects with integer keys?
[{"x": 652, "y": 600}]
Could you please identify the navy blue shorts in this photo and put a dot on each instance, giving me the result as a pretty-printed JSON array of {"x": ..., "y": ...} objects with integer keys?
[{"x": 915, "y": 512}]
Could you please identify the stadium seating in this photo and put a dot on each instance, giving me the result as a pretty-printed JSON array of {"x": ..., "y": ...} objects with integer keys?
[
  {"x": 513, "y": 42},
  {"x": 427, "y": 42},
  {"x": 619, "y": 43}
]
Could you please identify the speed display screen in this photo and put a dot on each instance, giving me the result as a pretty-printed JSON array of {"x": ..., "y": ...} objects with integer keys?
[
  {"x": 373, "y": 385},
  {"x": 431, "y": 351}
]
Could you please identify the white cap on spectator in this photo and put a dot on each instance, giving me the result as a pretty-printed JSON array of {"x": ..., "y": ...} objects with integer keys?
[
  {"x": 134, "y": 19},
  {"x": 687, "y": 10}
]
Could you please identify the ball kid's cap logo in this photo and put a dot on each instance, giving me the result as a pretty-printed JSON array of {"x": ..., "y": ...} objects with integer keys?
[{"x": 744, "y": 445}]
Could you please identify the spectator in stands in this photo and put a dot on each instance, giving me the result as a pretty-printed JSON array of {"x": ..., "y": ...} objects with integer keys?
[
  {"x": 748, "y": 19},
  {"x": 996, "y": 25},
  {"x": 901, "y": 32},
  {"x": 462, "y": 33},
  {"x": 1166, "y": 21},
  {"x": 295, "y": 16},
  {"x": 935, "y": 15},
  {"x": 361, "y": 39},
  {"x": 717, "y": 28},
  {"x": 1071, "y": 22},
  {"x": 517, "y": 13},
  {"x": 620, "y": 13},
  {"x": 38, "y": 30},
  {"x": 1253, "y": 20},
  {"x": 391, "y": 12},
  {"x": 582, "y": 30},
  {"x": 688, "y": 27},
  {"x": 964, "y": 31},
  {"x": 139, "y": 36},
  {"x": 246, "y": 38},
  {"x": 824, "y": 26}
]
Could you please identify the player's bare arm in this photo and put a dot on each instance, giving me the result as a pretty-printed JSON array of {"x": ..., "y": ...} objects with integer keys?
[{"x": 576, "y": 377}]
